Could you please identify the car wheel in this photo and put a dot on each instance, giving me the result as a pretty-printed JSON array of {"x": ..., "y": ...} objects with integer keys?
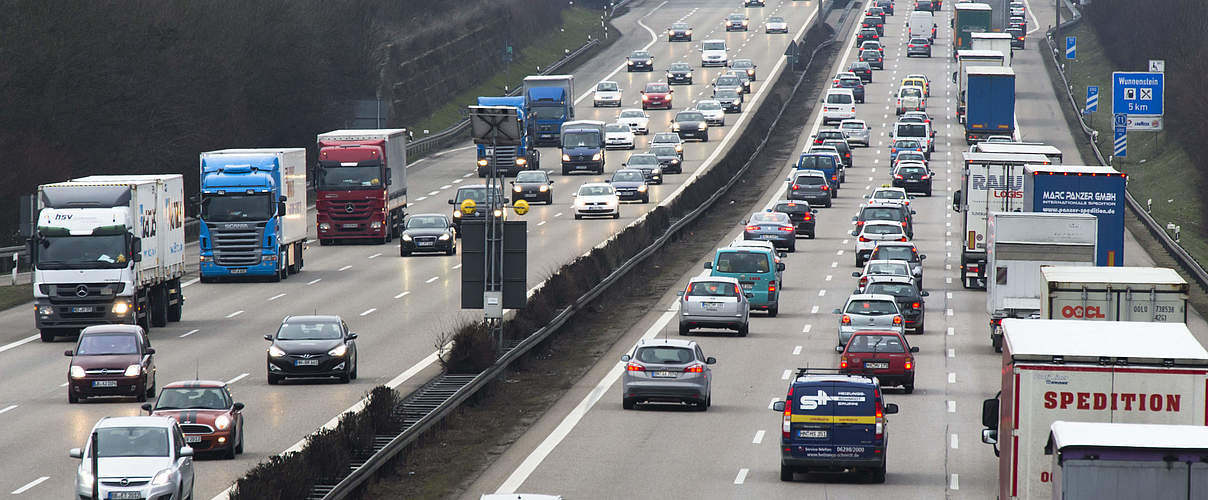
[
  {"x": 996, "y": 341},
  {"x": 142, "y": 396},
  {"x": 578, "y": 217},
  {"x": 702, "y": 405},
  {"x": 274, "y": 379},
  {"x": 683, "y": 330},
  {"x": 929, "y": 193},
  {"x": 403, "y": 253},
  {"x": 355, "y": 365},
  {"x": 151, "y": 390},
  {"x": 859, "y": 262},
  {"x": 744, "y": 329},
  {"x": 229, "y": 453},
  {"x": 627, "y": 403},
  {"x": 617, "y": 214},
  {"x": 646, "y": 198},
  {"x": 786, "y": 473},
  {"x": 812, "y": 235},
  {"x": 47, "y": 335},
  {"x": 877, "y": 475},
  {"x": 793, "y": 247},
  {"x": 909, "y": 388},
  {"x": 239, "y": 445},
  {"x": 345, "y": 377},
  {"x": 452, "y": 250},
  {"x": 72, "y": 398},
  {"x": 774, "y": 310}
]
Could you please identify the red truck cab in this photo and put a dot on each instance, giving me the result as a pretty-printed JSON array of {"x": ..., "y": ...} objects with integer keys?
[{"x": 361, "y": 185}]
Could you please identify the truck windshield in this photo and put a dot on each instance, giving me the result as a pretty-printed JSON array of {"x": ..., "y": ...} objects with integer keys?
[
  {"x": 546, "y": 112},
  {"x": 82, "y": 252},
  {"x": 236, "y": 208},
  {"x": 580, "y": 140},
  {"x": 334, "y": 176}
]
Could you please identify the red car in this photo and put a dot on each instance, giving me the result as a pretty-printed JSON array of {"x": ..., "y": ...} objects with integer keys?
[
  {"x": 210, "y": 419},
  {"x": 656, "y": 95},
  {"x": 111, "y": 360},
  {"x": 886, "y": 355}
]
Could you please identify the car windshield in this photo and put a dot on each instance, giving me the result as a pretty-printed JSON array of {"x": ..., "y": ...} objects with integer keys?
[
  {"x": 852, "y": 126},
  {"x": 686, "y": 116},
  {"x": 628, "y": 176},
  {"x": 131, "y": 442},
  {"x": 728, "y": 81},
  {"x": 580, "y": 140},
  {"x": 608, "y": 87},
  {"x": 882, "y": 229},
  {"x": 742, "y": 262},
  {"x": 633, "y": 113},
  {"x": 906, "y": 144},
  {"x": 895, "y": 289},
  {"x": 616, "y": 127},
  {"x": 838, "y": 144},
  {"x": 712, "y": 289},
  {"x": 816, "y": 162},
  {"x": 658, "y": 88},
  {"x": 478, "y": 194},
  {"x": 638, "y": 54},
  {"x": 888, "y": 195},
  {"x": 664, "y": 151},
  {"x": 837, "y": 98},
  {"x": 742, "y": 64},
  {"x": 546, "y": 111},
  {"x": 665, "y": 137},
  {"x": 589, "y": 190},
  {"x": 317, "y": 330},
  {"x": 83, "y": 252},
  {"x": 681, "y": 67},
  {"x": 680, "y": 26},
  {"x": 875, "y": 343},
  {"x": 769, "y": 218},
  {"x": 200, "y": 398},
  {"x": 737, "y": 17},
  {"x": 708, "y": 105},
  {"x": 912, "y": 129},
  {"x": 809, "y": 180},
  {"x": 105, "y": 345},
  {"x": 532, "y": 176},
  {"x": 895, "y": 252},
  {"x": 714, "y": 46},
  {"x": 236, "y": 207},
  {"x": 900, "y": 268},
  {"x": 334, "y": 175},
  {"x": 428, "y": 222},
  {"x": 665, "y": 355},
  {"x": 871, "y": 307},
  {"x": 646, "y": 159},
  {"x": 792, "y": 208},
  {"x": 775, "y": 19}
]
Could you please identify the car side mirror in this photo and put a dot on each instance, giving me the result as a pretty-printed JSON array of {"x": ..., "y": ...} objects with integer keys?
[
  {"x": 238, "y": 407},
  {"x": 777, "y": 406},
  {"x": 75, "y": 453},
  {"x": 923, "y": 257},
  {"x": 990, "y": 413},
  {"x": 891, "y": 408},
  {"x": 268, "y": 337},
  {"x": 782, "y": 254},
  {"x": 146, "y": 407},
  {"x": 186, "y": 451},
  {"x": 838, "y": 348},
  {"x": 625, "y": 358},
  {"x": 708, "y": 265},
  {"x": 855, "y": 274},
  {"x": 836, "y": 311},
  {"x": 749, "y": 295},
  {"x": 710, "y": 360},
  {"x": 867, "y": 196},
  {"x": 914, "y": 349},
  {"x": 451, "y": 202},
  {"x": 150, "y": 350},
  {"x": 69, "y": 353},
  {"x": 643, "y": 92},
  {"x": 856, "y": 218},
  {"x": 924, "y": 293},
  {"x": 679, "y": 293},
  {"x": 351, "y": 336},
  {"x": 779, "y": 266},
  {"x": 512, "y": 183},
  {"x": 853, "y": 233},
  {"x": 608, "y": 181}
]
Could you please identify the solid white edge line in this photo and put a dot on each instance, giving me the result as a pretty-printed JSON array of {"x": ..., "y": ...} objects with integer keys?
[
  {"x": 7, "y": 408},
  {"x": 31, "y": 484},
  {"x": 190, "y": 282},
  {"x": 18, "y": 343}
]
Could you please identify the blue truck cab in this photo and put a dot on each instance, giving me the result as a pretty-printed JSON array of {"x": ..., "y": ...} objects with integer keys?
[
  {"x": 833, "y": 422},
  {"x": 756, "y": 269},
  {"x": 253, "y": 213},
  {"x": 549, "y": 101},
  {"x": 509, "y": 160},
  {"x": 828, "y": 164}
]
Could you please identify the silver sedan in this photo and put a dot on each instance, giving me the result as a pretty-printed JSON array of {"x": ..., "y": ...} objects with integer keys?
[
  {"x": 869, "y": 312},
  {"x": 667, "y": 371},
  {"x": 856, "y": 132},
  {"x": 714, "y": 302}
]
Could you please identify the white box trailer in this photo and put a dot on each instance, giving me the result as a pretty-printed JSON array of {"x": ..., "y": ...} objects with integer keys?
[
  {"x": 1020, "y": 244},
  {"x": 966, "y": 59},
  {"x": 1000, "y": 42},
  {"x": 1083, "y": 371},
  {"x": 1109, "y": 461},
  {"x": 1155, "y": 294}
]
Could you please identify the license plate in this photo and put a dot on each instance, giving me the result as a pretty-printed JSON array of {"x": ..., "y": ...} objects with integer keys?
[
  {"x": 748, "y": 286},
  {"x": 125, "y": 495},
  {"x": 349, "y": 226},
  {"x": 530, "y": 195},
  {"x": 766, "y": 236},
  {"x": 811, "y": 434},
  {"x": 711, "y": 306},
  {"x": 876, "y": 365},
  {"x": 192, "y": 439},
  {"x": 104, "y": 383},
  {"x": 425, "y": 243},
  {"x": 239, "y": 270},
  {"x": 81, "y": 309},
  {"x": 664, "y": 374},
  {"x": 306, "y": 362}
]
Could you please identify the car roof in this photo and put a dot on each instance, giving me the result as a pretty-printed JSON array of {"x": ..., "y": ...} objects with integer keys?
[
  {"x": 853, "y": 379},
  {"x": 102, "y": 329},
  {"x": 192, "y": 384},
  {"x": 727, "y": 279},
  {"x": 595, "y": 184},
  {"x": 135, "y": 421},
  {"x": 869, "y": 296},
  {"x": 886, "y": 261},
  {"x": 628, "y": 170},
  {"x": 897, "y": 244},
  {"x": 861, "y": 122},
  {"x": 879, "y": 222},
  {"x": 428, "y": 214},
  {"x": 880, "y": 204},
  {"x": 890, "y": 278},
  {"x": 666, "y": 341},
  {"x": 809, "y": 172},
  {"x": 319, "y": 318}
]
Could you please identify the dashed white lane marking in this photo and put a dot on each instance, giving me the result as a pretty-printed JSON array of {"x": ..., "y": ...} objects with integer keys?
[
  {"x": 952, "y": 441},
  {"x": 797, "y": 351},
  {"x": 434, "y": 193},
  {"x": 190, "y": 282},
  {"x": 839, "y": 252},
  {"x": 951, "y": 406},
  {"x": 401, "y": 295},
  {"x": 559, "y": 214},
  {"x": 828, "y": 277},
  {"x": 421, "y": 198},
  {"x": 368, "y": 311},
  {"x": 955, "y": 482},
  {"x": 814, "y": 310},
  {"x": 807, "y": 328},
  {"x": 742, "y": 476},
  {"x": 948, "y": 280},
  {"x": 844, "y": 242},
  {"x": 345, "y": 268},
  {"x": 457, "y": 181},
  {"x": 316, "y": 280},
  {"x": 376, "y": 255},
  {"x": 190, "y": 332},
  {"x": 275, "y": 297},
  {"x": 236, "y": 313},
  {"x": 236, "y": 379},
  {"x": 786, "y": 374},
  {"x": 458, "y": 266},
  {"x": 542, "y": 223},
  {"x": 951, "y": 377},
  {"x": 10, "y": 407},
  {"x": 758, "y": 437},
  {"x": 835, "y": 264},
  {"x": 467, "y": 175},
  {"x": 951, "y": 352},
  {"x": 434, "y": 278},
  {"x": 951, "y": 331},
  {"x": 30, "y": 484},
  {"x": 19, "y": 343},
  {"x": 446, "y": 186},
  {"x": 821, "y": 293},
  {"x": 949, "y": 295},
  {"x": 949, "y": 312}
]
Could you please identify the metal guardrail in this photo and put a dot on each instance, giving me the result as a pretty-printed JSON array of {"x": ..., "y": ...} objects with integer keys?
[
  {"x": 434, "y": 401},
  {"x": 1185, "y": 259}
]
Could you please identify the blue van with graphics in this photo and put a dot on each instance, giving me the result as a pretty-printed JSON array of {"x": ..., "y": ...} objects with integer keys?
[
  {"x": 755, "y": 269},
  {"x": 833, "y": 422}
]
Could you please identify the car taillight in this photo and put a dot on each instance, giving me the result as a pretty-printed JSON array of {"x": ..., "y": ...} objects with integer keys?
[
  {"x": 897, "y": 320},
  {"x": 846, "y": 320},
  {"x": 897, "y": 176},
  {"x": 787, "y": 426},
  {"x": 902, "y": 239},
  {"x": 771, "y": 286},
  {"x": 786, "y": 228},
  {"x": 737, "y": 289},
  {"x": 911, "y": 45},
  {"x": 853, "y": 109},
  {"x": 903, "y": 223},
  {"x": 807, "y": 217},
  {"x": 834, "y": 177},
  {"x": 915, "y": 305},
  {"x": 796, "y": 187},
  {"x": 924, "y": 177},
  {"x": 688, "y": 291},
  {"x": 909, "y": 364},
  {"x": 863, "y": 238},
  {"x": 696, "y": 368},
  {"x": 634, "y": 367},
  {"x": 880, "y": 416},
  {"x": 752, "y": 228},
  {"x": 843, "y": 364},
  {"x": 825, "y": 187},
  {"x": 863, "y": 281}
]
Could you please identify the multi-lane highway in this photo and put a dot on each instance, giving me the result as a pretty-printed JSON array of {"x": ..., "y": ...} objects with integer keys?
[
  {"x": 396, "y": 305},
  {"x": 731, "y": 450}
]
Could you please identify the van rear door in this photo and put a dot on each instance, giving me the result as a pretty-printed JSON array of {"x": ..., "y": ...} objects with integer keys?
[
  {"x": 855, "y": 415},
  {"x": 812, "y": 425}
]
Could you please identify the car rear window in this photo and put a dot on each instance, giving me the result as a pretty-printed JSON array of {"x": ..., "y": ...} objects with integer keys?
[
  {"x": 809, "y": 180},
  {"x": 895, "y": 289},
  {"x": 911, "y": 129},
  {"x": 888, "y": 268},
  {"x": 882, "y": 228},
  {"x": 712, "y": 289},
  {"x": 793, "y": 208},
  {"x": 686, "y": 116},
  {"x": 870, "y": 54},
  {"x": 871, "y": 307},
  {"x": 851, "y": 125},
  {"x": 894, "y": 253},
  {"x": 876, "y": 343},
  {"x": 881, "y": 214},
  {"x": 664, "y": 355},
  {"x": 742, "y": 262},
  {"x": 837, "y": 98},
  {"x": 813, "y": 162}
]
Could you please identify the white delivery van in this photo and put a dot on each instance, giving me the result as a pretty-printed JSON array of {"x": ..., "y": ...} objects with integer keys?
[{"x": 922, "y": 25}]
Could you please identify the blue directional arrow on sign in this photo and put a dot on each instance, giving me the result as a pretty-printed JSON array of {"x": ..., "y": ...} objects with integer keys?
[
  {"x": 1071, "y": 46},
  {"x": 1121, "y": 143},
  {"x": 1092, "y": 99}
]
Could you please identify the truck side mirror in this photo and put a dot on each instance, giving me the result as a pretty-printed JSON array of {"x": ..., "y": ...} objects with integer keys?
[
  {"x": 956, "y": 201},
  {"x": 136, "y": 249},
  {"x": 779, "y": 266},
  {"x": 990, "y": 436},
  {"x": 388, "y": 181},
  {"x": 990, "y": 413}
]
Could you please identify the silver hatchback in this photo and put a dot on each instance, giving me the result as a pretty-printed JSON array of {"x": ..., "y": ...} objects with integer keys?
[
  {"x": 667, "y": 371},
  {"x": 869, "y": 312},
  {"x": 714, "y": 302}
]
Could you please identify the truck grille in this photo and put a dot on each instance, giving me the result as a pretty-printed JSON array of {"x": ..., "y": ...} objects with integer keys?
[
  {"x": 505, "y": 157},
  {"x": 82, "y": 291},
  {"x": 351, "y": 211},
  {"x": 237, "y": 247}
]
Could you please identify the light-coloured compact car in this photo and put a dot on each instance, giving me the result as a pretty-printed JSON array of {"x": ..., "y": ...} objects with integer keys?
[
  {"x": 882, "y": 267},
  {"x": 714, "y": 302},
  {"x": 714, "y": 113},
  {"x": 608, "y": 93},
  {"x": 868, "y": 312},
  {"x": 667, "y": 371},
  {"x": 776, "y": 24},
  {"x": 775, "y": 227},
  {"x": 668, "y": 138},
  {"x": 638, "y": 120},
  {"x": 856, "y": 132},
  {"x": 137, "y": 457},
  {"x": 597, "y": 199},
  {"x": 868, "y": 234},
  {"x": 618, "y": 136}
]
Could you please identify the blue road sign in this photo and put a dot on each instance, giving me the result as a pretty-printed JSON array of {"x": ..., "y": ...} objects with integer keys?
[
  {"x": 1121, "y": 143},
  {"x": 1119, "y": 120},
  {"x": 1138, "y": 93},
  {"x": 1092, "y": 99},
  {"x": 1071, "y": 46}
]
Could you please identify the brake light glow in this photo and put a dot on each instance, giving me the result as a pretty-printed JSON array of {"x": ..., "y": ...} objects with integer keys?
[
  {"x": 846, "y": 320},
  {"x": 787, "y": 426},
  {"x": 843, "y": 364},
  {"x": 863, "y": 238},
  {"x": 897, "y": 320},
  {"x": 807, "y": 217},
  {"x": 771, "y": 286},
  {"x": 924, "y": 177},
  {"x": 634, "y": 367},
  {"x": 786, "y": 228},
  {"x": 915, "y": 305},
  {"x": 752, "y": 228},
  {"x": 909, "y": 364},
  {"x": 688, "y": 291},
  {"x": 903, "y": 239},
  {"x": 796, "y": 187},
  {"x": 737, "y": 289},
  {"x": 696, "y": 368},
  {"x": 825, "y": 187},
  {"x": 898, "y": 176}
]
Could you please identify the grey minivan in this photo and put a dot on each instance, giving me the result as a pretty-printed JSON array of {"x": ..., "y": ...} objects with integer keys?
[{"x": 714, "y": 302}]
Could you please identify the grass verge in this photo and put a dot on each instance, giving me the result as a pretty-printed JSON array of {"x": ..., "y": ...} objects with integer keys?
[
  {"x": 577, "y": 24},
  {"x": 15, "y": 295}
]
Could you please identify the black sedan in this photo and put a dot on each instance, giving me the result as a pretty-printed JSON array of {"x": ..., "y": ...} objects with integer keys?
[
  {"x": 867, "y": 34},
  {"x": 803, "y": 217},
  {"x": 679, "y": 73},
  {"x": 533, "y": 186},
  {"x": 908, "y": 297},
  {"x": 874, "y": 59},
  {"x": 913, "y": 177},
  {"x": 744, "y": 65},
  {"x": 640, "y": 60},
  {"x": 670, "y": 159},
  {"x": 630, "y": 184},
  {"x": 691, "y": 124},
  {"x": 855, "y": 84},
  {"x": 862, "y": 70},
  {"x": 679, "y": 32},
  {"x": 312, "y": 347},
  {"x": 648, "y": 164},
  {"x": 730, "y": 99},
  {"x": 428, "y": 233}
]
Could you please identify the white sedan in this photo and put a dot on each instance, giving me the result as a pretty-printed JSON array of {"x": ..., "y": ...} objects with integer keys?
[
  {"x": 776, "y": 24},
  {"x": 714, "y": 113},
  {"x": 637, "y": 120},
  {"x": 607, "y": 94},
  {"x": 596, "y": 199},
  {"x": 618, "y": 136}
]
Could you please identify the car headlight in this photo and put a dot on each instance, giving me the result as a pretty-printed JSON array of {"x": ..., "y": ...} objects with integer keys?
[
  {"x": 133, "y": 370},
  {"x": 162, "y": 478},
  {"x": 657, "y": 170},
  {"x": 642, "y": 188},
  {"x": 77, "y": 371},
  {"x": 482, "y": 162},
  {"x": 669, "y": 75},
  {"x": 338, "y": 351},
  {"x": 521, "y": 161},
  {"x": 457, "y": 214},
  {"x": 275, "y": 351},
  {"x": 444, "y": 237},
  {"x": 674, "y": 161},
  {"x": 543, "y": 188},
  {"x": 750, "y": 72},
  {"x": 675, "y": 127},
  {"x": 516, "y": 188},
  {"x": 121, "y": 307},
  {"x": 629, "y": 63},
  {"x": 406, "y": 237},
  {"x": 679, "y": 148},
  {"x": 704, "y": 125},
  {"x": 565, "y": 157},
  {"x": 222, "y": 422},
  {"x": 323, "y": 226}
]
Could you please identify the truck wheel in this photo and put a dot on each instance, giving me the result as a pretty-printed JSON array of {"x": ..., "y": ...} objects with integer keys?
[
  {"x": 996, "y": 341},
  {"x": 627, "y": 403},
  {"x": 786, "y": 473},
  {"x": 144, "y": 321},
  {"x": 176, "y": 311},
  {"x": 47, "y": 335},
  {"x": 877, "y": 475},
  {"x": 159, "y": 306}
]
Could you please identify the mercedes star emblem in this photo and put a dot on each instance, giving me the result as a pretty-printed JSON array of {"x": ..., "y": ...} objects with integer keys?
[
  {"x": 82, "y": 291},
  {"x": 349, "y": 208}
]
